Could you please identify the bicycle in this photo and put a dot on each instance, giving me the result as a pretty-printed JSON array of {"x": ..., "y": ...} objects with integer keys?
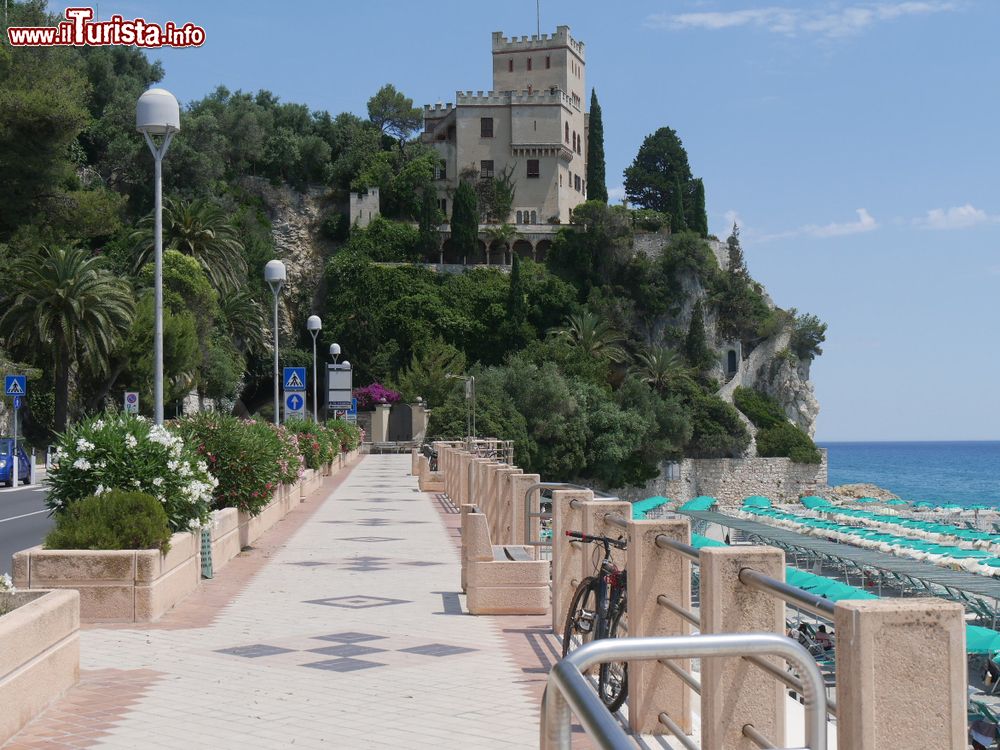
[{"x": 596, "y": 611}]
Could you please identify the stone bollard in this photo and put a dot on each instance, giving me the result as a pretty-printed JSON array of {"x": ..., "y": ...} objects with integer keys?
[
  {"x": 567, "y": 557},
  {"x": 734, "y": 692},
  {"x": 463, "y": 459},
  {"x": 655, "y": 571},
  {"x": 467, "y": 542},
  {"x": 505, "y": 529},
  {"x": 519, "y": 484},
  {"x": 413, "y": 461},
  {"x": 901, "y": 674}
]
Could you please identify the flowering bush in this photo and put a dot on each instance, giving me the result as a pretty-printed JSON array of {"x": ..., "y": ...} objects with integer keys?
[
  {"x": 122, "y": 451},
  {"x": 244, "y": 455},
  {"x": 348, "y": 434},
  {"x": 6, "y": 587},
  {"x": 290, "y": 462},
  {"x": 315, "y": 442},
  {"x": 373, "y": 394}
]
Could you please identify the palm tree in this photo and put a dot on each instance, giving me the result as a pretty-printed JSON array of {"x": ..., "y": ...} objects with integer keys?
[
  {"x": 659, "y": 366},
  {"x": 594, "y": 336},
  {"x": 202, "y": 230},
  {"x": 68, "y": 304},
  {"x": 243, "y": 319}
]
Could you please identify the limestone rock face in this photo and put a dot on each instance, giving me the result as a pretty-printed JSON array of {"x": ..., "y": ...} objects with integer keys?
[
  {"x": 854, "y": 491},
  {"x": 786, "y": 379}
]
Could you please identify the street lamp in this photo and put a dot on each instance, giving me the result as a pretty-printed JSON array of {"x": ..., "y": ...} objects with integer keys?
[
  {"x": 334, "y": 352},
  {"x": 313, "y": 325},
  {"x": 470, "y": 401},
  {"x": 274, "y": 275},
  {"x": 157, "y": 113}
]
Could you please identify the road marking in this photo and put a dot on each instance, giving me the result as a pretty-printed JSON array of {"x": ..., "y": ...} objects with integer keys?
[
  {"x": 23, "y": 487},
  {"x": 24, "y": 515}
]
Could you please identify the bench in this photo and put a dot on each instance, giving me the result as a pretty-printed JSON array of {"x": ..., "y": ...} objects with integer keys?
[{"x": 500, "y": 579}]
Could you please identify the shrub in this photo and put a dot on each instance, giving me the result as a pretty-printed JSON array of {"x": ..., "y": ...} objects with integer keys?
[
  {"x": 115, "y": 520},
  {"x": 315, "y": 442},
  {"x": 290, "y": 461},
  {"x": 760, "y": 409},
  {"x": 650, "y": 220},
  {"x": 243, "y": 455},
  {"x": 371, "y": 395},
  {"x": 121, "y": 451},
  {"x": 788, "y": 441},
  {"x": 347, "y": 433}
]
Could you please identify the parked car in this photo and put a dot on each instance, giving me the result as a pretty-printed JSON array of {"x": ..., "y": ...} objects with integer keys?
[{"x": 7, "y": 458}]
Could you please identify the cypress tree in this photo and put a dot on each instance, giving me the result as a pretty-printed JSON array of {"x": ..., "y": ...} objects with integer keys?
[
  {"x": 597, "y": 189},
  {"x": 696, "y": 344},
  {"x": 737, "y": 263},
  {"x": 517, "y": 302},
  {"x": 465, "y": 220},
  {"x": 694, "y": 208},
  {"x": 677, "y": 222},
  {"x": 429, "y": 218}
]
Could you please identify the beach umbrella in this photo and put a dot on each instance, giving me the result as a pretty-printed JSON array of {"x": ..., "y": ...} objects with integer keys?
[
  {"x": 980, "y": 640},
  {"x": 702, "y": 502},
  {"x": 897, "y": 501},
  {"x": 813, "y": 501},
  {"x": 979, "y": 507},
  {"x": 756, "y": 501},
  {"x": 641, "y": 507}
]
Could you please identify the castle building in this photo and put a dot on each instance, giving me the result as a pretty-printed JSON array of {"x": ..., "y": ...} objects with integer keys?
[{"x": 532, "y": 124}]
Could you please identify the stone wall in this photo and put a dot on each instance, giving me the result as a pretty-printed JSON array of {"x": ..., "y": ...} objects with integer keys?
[{"x": 732, "y": 479}]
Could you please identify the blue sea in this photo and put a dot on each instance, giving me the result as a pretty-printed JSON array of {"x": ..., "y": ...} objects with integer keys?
[{"x": 954, "y": 472}]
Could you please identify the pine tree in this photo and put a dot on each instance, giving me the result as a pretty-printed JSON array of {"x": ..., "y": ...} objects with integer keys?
[
  {"x": 694, "y": 207},
  {"x": 696, "y": 344},
  {"x": 677, "y": 221},
  {"x": 465, "y": 221},
  {"x": 597, "y": 189}
]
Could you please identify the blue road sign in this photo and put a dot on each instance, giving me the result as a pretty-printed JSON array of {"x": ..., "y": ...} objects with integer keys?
[
  {"x": 15, "y": 385},
  {"x": 17, "y": 403},
  {"x": 294, "y": 402},
  {"x": 294, "y": 379},
  {"x": 354, "y": 407}
]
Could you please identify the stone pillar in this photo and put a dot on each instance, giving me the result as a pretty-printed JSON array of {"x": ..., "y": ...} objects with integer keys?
[
  {"x": 653, "y": 571},
  {"x": 518, "y": 487},
  {"x": 505, "y": 502},
  {"x": 414, "y": 453},
  {"x": 418, "y": 421},
  {"x": 733, "y": 691},
  {"x": 478, "y": 480},
  {"x": 595, "y": 523},
  {"x": 901, "y": 674},
  {"x": 380, "y": 423},
  {"x": 462, "y": 466},
  {"x": 567, "y": 558}
]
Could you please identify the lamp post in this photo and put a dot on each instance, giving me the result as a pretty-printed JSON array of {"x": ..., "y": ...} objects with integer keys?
[
  {"x": 274, "y": 275},
  {"x": 313, "y": 325},
  {"x": 157, "y": 113},
  {"x": 470, "y": 401},
  {"x": 334, "y": 352}
]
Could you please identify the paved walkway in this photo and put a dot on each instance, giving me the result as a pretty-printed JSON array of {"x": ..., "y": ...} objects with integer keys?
[{"x": 344, "y": 630}]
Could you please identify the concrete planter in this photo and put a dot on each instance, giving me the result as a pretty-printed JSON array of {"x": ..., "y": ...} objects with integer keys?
[
  {"x": 225, "y": 537},
  {"x": 309, "y": 483},
  {"x": 40, "y": 658},
  {"x": 116, "y": 585}
]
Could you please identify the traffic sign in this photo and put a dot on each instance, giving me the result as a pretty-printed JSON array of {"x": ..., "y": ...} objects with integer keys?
[
  {"x": 17, "y": 403},
  {"x": 131, "y": 402},
  {"x": 294, "y": 379},
  {"x": 354, "y": 408},
  {"x": 295, "y": 406},
  {"x": 15, "y": 385}
]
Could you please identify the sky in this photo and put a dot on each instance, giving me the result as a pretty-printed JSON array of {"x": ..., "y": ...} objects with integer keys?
[{"x": 854, "y": 142}]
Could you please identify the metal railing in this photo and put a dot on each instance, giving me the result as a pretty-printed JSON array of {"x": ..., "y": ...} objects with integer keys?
[
  {"x": 529, "y": 513},
  {"x": 569, "y": 693}
]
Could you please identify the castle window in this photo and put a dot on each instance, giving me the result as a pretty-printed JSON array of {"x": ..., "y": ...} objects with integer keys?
[
  {"x": 444, "y": 206},
  {"x": 560, "y": 179},
  {"x": 534, "y": 218},
  {"x": 533, "y": 168},
  {"x": 486, "y": 168},
  {"x": 576, "y": 182},
  {"x": 567, "y": 132},
  {"x": 548, "y": 62},
  {"x": 485, "y": 127},
  {"x": 442, "y": 171},
  {"x": 510, "y": 65},
  {"x": 529, "y": 63},
  {"x": 518, "y": 219}
]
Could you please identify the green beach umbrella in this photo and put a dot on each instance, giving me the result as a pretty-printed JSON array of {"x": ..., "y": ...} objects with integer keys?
[
  {"x": 641, "y": 507},
  {"x": 756, "y": 501},
  {"x": 896, "y": 502},
  {"x": 813, "y": 501},
  {"x": 702, "y": 502}
]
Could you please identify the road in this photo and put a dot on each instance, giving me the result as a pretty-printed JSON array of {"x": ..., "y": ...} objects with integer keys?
[{"x": 24, "y": 521}]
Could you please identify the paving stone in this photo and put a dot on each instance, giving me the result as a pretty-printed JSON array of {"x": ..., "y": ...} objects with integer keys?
[{"x": 252, "y": 652}]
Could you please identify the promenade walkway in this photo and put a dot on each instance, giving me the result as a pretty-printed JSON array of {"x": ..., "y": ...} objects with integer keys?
[{"x": 343, "y": 629}]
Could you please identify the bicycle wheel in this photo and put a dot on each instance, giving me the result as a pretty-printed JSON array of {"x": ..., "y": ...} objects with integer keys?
[
  {"x": 612, "y": 680},
  {"x": 581, "y": 617}
]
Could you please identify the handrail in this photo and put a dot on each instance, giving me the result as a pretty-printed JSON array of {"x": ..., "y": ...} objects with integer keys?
[
  {"x": 529, "y": 514},
  {"x": 569, "y": 693},
  {"x": 793, "y": 594},
  {"x": 664, "y": 542}
]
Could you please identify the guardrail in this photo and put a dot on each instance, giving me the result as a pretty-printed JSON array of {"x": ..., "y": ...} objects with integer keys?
[
  {"x": 885, "y": 645},
  {"x": 569, "y": 692}
]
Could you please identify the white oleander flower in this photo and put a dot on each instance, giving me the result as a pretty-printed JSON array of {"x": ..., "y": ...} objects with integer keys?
[
  {"x": 184, "y": 470},
  {"x": 101, "y": 489},
  {"x": 130, "y": 441},
  {"x": 173, "y": 465},
  {"x": 83, "y": 445},
  {"x": 6, "y": 584},
  {"x": 136, "y": 483},
  {"x": 82, "y": 464},
  {"x": 202, "y": 467},
  {"x": 102, "y": 464},
  {"x": 99, "y": 424},
  {"x": 158, "y": 482}
]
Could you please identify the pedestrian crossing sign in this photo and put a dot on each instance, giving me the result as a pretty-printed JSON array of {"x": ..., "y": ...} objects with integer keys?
[
  {"x": 15, "y": 385},
  {"x": 294, "y": 379}
]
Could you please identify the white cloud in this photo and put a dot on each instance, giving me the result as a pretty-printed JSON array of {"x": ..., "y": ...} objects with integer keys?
[
  {"x": 865, "y": 223},
  {"x": 616, "y": 194},
  {"x": 957, "y": 217},
  {"x": 830, "y": 21}
]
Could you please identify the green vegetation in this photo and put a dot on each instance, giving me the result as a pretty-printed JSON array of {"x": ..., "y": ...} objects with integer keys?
[
  {"x": 116, "y": 520},
  {"x": 776, "y": 436},
  {"x": 597, "y": 189}
]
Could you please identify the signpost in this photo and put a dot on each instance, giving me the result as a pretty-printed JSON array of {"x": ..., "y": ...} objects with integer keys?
[
  {"x": 352, "y": 414},
  {"x": 294, "y": 379},
  {"x": 131, "y": 402},
  {"x": 340, "y": 384},
  {"x": 16, "y": 386},
  {"x": 295, "y": 406}
]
